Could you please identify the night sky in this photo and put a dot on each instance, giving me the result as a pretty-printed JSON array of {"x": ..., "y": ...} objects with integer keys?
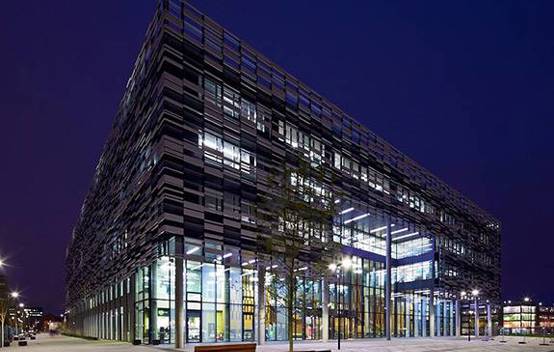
[{"x": 465, "y": 88}]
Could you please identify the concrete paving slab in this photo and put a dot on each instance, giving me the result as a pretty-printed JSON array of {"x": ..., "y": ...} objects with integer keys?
[{"x": 45, "y": 343}]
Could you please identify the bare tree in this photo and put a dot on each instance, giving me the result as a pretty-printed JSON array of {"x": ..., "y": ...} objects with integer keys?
[{"x": 297, "y": 220}]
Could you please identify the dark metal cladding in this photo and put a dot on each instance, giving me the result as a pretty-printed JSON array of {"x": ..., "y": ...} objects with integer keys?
[{"x": 154, "y": 173}]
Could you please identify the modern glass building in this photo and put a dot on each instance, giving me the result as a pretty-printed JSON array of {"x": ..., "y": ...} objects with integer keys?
[
  {"x": 527, "y": 317},
  {"x": 165, "y": 249}
]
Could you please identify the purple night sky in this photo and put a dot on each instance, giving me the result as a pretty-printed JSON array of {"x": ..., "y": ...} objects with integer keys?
[{"x": 465, "y": 88}]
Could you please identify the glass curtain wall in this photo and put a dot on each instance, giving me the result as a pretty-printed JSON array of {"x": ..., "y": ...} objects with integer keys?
[
  {"x": 363, "y": 231},
  {"x": 221, "y": 289},
  {"x": 142, "y": 305},
  {"x": 357, "y": 300}
]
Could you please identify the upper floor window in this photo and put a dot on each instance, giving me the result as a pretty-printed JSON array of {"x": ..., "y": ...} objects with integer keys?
[
  {"x": 231, "y": 105},
  {"x": 212, "y": 91},
  {"x": 220, "y": 151},
  {"x": 248, "y": 110}
]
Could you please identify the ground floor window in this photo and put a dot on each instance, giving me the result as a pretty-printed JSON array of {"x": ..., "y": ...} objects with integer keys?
[{"x": 221, "y": 305}]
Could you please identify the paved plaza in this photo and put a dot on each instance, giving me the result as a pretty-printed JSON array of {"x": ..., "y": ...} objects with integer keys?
[{"x": 62, "y": 343}]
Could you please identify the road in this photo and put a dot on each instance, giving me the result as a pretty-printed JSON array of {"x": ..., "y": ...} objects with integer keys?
[{"x": 45, "y": 343}]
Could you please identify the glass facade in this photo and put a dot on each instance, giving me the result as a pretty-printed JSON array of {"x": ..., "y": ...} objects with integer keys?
[
  {"x": 520, "y": 319},
  {"x": 222, "y": 289},
  {"x": 203, "y": 122}
]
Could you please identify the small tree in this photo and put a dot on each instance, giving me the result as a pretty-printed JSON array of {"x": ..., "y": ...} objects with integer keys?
[{"x": 296, "y": 233}]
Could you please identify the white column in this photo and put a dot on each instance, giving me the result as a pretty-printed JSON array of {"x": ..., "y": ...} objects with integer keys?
[
  {"x": 325, "y": 310},
  {"x": 153, "y": 329},
  {"x": 388, "y": 282},
  {"x": 451, "y": 317},
  {"x": 444, "y": 317},
  {"x": 424, "y": 316},
  {"x": 489, "y": 320},
  {"x": 179, "y": 302},
  {"x": 417, "y": 316},
  {"x": 458, "y": 318},
  {"x": 261, "y": 306},
  {"x": 438, "y": 308},
  {"x": 132, "y": 312},
  {"x": 476, "y": 303},
  {"x": 432, "y": 310},
  {"x": 408, "y": 316}
]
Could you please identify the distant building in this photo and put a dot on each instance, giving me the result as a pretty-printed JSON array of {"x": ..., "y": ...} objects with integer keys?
[
  {"x": 527, "y": 317},
  {"x": 546, "y": 319},
  {"x": 51, "y": 322},
  {"x": 34, "y": 317}
]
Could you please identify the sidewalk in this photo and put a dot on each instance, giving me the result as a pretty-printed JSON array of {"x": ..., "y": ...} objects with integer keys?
[{"x": 438, "y": 344}]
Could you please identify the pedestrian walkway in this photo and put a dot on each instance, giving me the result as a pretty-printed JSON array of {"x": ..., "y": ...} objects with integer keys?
[
  {"x": 418, "y": 345},
  {"x": 45, "y": 343},
  {"x": 439, "y": 344}
]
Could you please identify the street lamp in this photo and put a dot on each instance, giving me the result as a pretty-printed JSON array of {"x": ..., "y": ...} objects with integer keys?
[
  {"x": 13, "y": 295},
  {"x": 345, "y": 265}
]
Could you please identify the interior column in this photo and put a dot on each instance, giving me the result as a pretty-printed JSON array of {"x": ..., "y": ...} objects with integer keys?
[
  {"x": 261, "y": 306},
  {"x": 424, "y": 316},
  {"x": 179, "y": 302},
  {"x": 432, "y": 314},
  {"x": 489, "y": 320},
  {"x": 476, "y": 305},
  {"x": 388, "y": 283},
  {"x": 408, "y": 316}
]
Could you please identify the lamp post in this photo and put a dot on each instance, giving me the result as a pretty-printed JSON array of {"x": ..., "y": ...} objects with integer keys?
[
  {"x": 13, "y": 295},
  {"x": 339, "y": 271},
  {"x": 3, "y": 311},
  {"x": 21, "y": 313},
  {"x": 4, "y": 314},
  {"x": 339, "y": 323}
]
